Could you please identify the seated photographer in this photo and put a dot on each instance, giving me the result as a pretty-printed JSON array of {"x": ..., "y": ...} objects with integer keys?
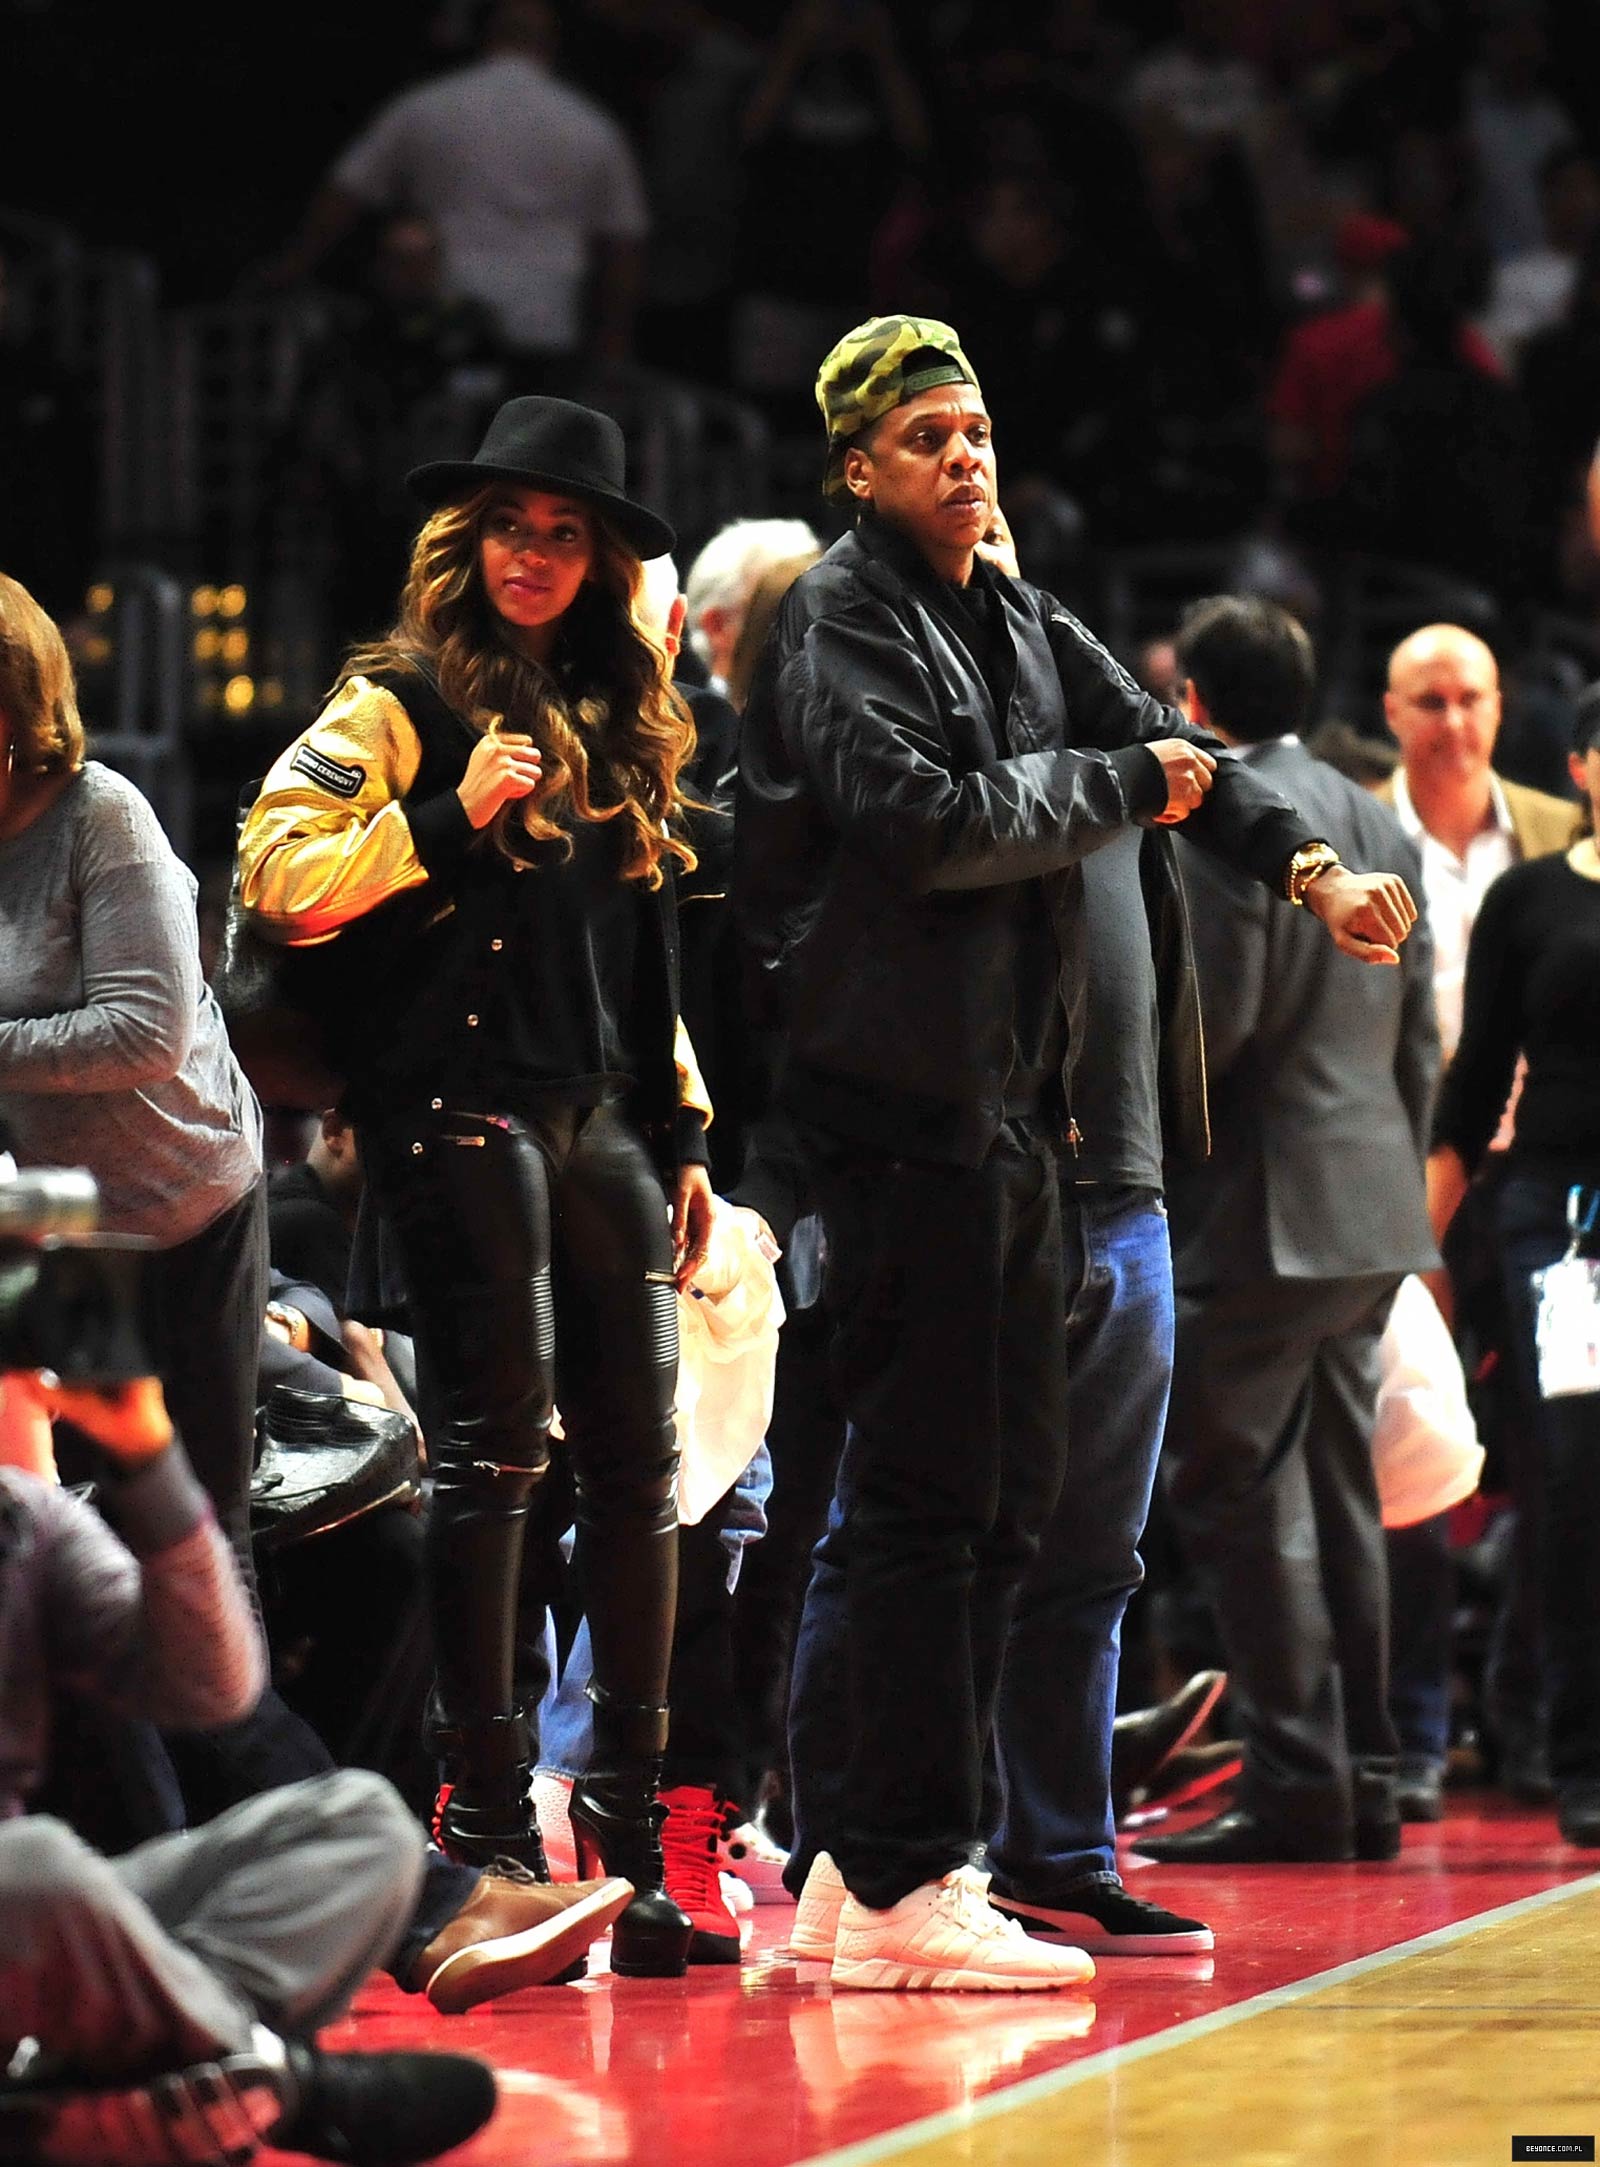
[{"x": 164, "y": 2005}]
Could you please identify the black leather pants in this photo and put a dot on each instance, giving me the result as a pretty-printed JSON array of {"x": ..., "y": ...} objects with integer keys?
[{"x": 538, "y": 1263}]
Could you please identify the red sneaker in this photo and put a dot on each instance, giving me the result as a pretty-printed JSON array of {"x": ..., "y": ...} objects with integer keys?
[{"x": 690, "y": 1840}]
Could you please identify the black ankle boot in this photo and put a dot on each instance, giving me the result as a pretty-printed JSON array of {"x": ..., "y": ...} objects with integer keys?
[
  {"x": 616, "y": 1823},
  {"x": 484, "y": 1811}
]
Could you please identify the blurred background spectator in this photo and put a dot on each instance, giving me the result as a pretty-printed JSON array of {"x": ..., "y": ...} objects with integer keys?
[
  {"x": 835, "y": 119},
  {"x": 49, "y": 508},
  {"x": 534, "y": 190},
  {"x": 403, "y": 373}
]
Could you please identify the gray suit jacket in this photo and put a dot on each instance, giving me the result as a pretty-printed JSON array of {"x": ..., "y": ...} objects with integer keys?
[{"x": 1322, "y": 1069}]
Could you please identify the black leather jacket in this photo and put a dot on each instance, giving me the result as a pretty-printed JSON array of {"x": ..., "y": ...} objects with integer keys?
[{"x": 887, "y": 815}]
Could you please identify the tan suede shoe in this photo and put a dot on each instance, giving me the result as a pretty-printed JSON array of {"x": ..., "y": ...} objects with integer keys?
[{"x": 514, "y": 1931}]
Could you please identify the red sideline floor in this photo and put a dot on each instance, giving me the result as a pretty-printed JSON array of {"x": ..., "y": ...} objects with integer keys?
[{"x": 764, "y": 2066}]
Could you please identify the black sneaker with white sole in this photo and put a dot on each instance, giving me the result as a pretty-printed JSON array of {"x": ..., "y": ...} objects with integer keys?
[
  {"x": 1102, "y": 1919},
  {"x": 384, "y": 2110},
  {"x": 209, "y": 2114},
  {"x": 359, "y": 2110}
]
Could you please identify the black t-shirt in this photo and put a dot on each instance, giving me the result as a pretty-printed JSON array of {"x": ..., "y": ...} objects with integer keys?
[
  {"x": 567, "y": 997},
  {"x": 1533, "y": 986},
  {"x": 1115, "y": 1087},
  {"x": 1038, "y": 1023}
]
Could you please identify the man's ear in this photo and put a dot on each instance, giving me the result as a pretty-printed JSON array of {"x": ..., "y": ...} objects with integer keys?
[
  {"x": 858, "y": 473},
  {"x": 1193, "y": 706}
]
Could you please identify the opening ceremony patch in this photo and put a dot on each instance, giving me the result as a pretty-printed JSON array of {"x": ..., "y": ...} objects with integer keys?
[{"x": 328, "y": 774}]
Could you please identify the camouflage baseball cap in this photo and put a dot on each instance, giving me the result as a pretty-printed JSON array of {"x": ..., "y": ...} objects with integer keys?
[{"x": 876, "y": 368}]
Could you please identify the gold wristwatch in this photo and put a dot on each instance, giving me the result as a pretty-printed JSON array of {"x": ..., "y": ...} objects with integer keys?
[{"x": 1309, "y": 863}]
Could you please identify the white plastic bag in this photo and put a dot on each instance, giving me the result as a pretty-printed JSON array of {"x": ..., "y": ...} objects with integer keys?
[
  {"x": 728, "y": 1326},
  {"x": 1425, "y": 1448}
]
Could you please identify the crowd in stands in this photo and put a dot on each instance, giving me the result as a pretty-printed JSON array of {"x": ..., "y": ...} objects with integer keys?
[
  {"x": 775, "y": 1065},
  {"x": 1236, "y": 270}
]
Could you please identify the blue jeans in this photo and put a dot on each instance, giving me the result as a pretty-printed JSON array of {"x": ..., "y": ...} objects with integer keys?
[
  {"x": 1422, "y": 1602},
  {"x": 1058, "y": 1690},
  {"x": 1058, "y": 1685}
]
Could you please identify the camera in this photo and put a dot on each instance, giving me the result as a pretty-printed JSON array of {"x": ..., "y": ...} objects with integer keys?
[{"x": 69, "y": 1295}]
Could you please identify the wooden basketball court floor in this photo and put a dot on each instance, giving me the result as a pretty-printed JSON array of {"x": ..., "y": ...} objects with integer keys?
[{"x": 1422, "y": 2013}]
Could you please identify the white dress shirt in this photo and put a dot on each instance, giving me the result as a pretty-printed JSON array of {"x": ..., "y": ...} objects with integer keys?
[{"x": 1453, "y": 891}]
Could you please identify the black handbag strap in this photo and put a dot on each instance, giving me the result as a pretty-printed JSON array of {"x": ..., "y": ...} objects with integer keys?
[{"x": 446, "y": 737}]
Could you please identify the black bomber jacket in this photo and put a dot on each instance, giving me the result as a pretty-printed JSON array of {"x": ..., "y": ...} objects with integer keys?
[{"x": 887, "y": 812}]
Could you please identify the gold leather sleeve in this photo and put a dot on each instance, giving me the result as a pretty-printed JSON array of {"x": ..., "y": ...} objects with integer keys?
[
  {"x": 327, "y": 839},
  {"x": 692, "y": 1090}
]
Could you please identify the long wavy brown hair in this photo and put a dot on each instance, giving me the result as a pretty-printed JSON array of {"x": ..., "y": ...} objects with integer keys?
[{"x": 613, "y": 733}]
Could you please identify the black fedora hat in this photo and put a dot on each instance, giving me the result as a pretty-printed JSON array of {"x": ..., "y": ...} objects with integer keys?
[{"x": 549, "y": 444}]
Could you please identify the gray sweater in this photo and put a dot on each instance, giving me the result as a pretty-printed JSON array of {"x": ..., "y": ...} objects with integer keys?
[{"x": 113, "y": 1053}]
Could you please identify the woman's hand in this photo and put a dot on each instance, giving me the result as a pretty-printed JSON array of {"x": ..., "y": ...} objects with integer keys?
[
  {"x": 502, "y": 769},
  {"x": 691, "y": 1222}
]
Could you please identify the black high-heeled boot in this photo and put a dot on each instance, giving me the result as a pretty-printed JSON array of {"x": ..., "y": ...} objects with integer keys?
[
  {"x": 616, "y": 1823},
  {"x": 484, "y": 1811}
]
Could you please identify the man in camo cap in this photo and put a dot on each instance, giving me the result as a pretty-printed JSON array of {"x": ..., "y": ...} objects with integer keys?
[
  {"x": 929, "y": 750},
  {"x": 876, "y": 368}
]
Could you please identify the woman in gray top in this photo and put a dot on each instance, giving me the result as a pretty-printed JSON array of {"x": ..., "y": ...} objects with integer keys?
[{"x": 113, "y": 1056}]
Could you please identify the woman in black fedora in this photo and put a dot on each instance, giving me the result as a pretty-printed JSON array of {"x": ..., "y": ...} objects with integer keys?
[{"x": 486, "y": 815}]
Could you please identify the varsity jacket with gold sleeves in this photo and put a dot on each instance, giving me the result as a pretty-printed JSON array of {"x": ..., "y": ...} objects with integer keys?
[{"x": 358, "y": 832}]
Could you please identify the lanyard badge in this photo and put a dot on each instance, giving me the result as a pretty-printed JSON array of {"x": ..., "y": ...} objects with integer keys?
[{"x": 1567, "y": 1325}]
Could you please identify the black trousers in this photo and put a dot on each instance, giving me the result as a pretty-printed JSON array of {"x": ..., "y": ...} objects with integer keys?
[
  {"x": 201, "y": 1309},
  {"x": 538, "y": 1264},
  {"x": 1268, "y": 1464},
  {"x": 805, "y": 1438},
  {"x": 1555, "y": 1486},
  {"x": 704, "y": 1746},
  {"x": 945, "y": 1284}
]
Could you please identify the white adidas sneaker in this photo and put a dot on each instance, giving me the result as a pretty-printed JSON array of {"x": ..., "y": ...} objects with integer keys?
[
  {"x": 947, "y": 1937},
  {"x": 816, "y": 1923}
]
